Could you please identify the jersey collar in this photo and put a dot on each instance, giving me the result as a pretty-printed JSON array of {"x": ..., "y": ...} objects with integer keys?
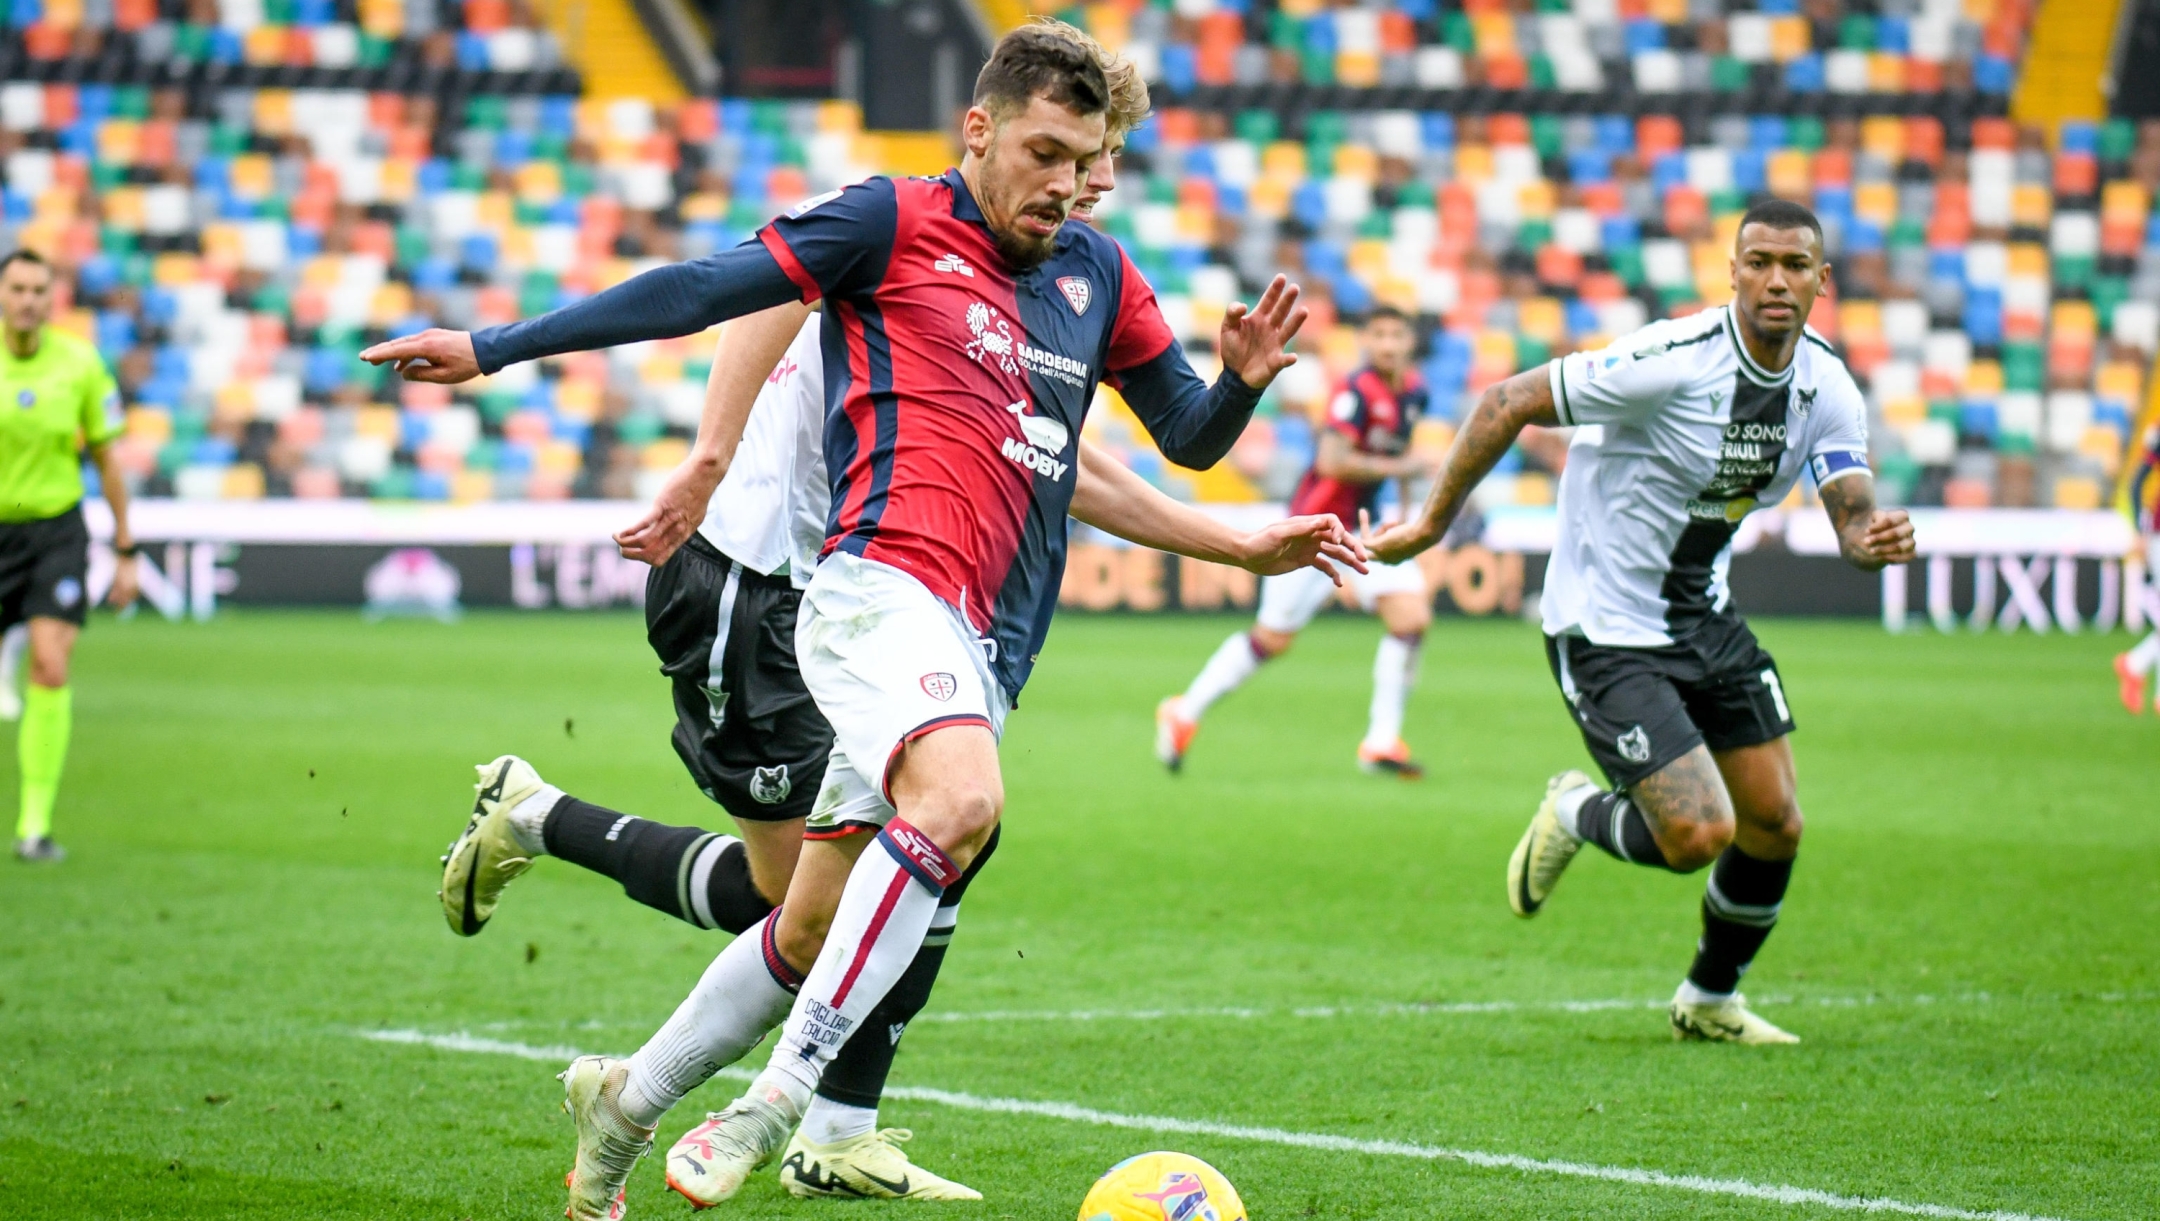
[
  {"x": 1755, "y": 372},
  {"x": 964, "y": 206}
]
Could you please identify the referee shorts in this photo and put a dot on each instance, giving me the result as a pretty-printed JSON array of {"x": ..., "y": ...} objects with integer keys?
[
  {"x": 745, "y": 726},
  {"x": 44, "y": 569}
]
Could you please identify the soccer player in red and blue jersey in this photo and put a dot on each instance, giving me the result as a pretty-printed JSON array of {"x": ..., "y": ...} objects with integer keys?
[
  {"x": 967, "y": 329},
  {"x": 1364, "y": 445}
]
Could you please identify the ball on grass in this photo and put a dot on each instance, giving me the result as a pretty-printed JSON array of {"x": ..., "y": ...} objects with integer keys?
[{"x": 1162, "y": 1187}]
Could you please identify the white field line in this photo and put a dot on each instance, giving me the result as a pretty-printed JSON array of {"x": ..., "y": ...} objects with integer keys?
[
  {"x": 1459, "y": 1008},
  {"x": 1742, "y": 1188},
  {"x": 1446, "y": 1008}
]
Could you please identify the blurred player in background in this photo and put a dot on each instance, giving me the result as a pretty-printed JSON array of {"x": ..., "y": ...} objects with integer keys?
[
  {"x": 1364, "y": 445},
  {"x": 1682, "y": 429},
  {"x": 2141, "y": 499},
  {"x": 57, "y": 400},
  {"x": 14, "y": 646}
]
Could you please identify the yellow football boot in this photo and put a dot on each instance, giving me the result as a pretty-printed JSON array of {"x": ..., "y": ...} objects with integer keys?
[
  {"x": 1726, "y": 1021},
  {"x": 608, "y": 1145},
  {"x": 487, "y": 857},
  {"x": 1544, "y": 851},
  {"x": 870, "y": 1167}
]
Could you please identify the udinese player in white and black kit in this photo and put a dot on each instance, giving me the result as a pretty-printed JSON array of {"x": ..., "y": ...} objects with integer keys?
[{"x": 1682, "y": 429}]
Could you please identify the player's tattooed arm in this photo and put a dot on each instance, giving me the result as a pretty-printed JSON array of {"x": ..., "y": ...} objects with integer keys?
[
  {"x": 749, "y": 348},
  {"x": 1869, "y": 538},
  {"x": 1111, "y": 498},
  {"x": 1502, "y": 412}
]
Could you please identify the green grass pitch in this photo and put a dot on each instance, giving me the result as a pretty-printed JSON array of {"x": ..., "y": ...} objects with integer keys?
[{"x": 1273, "y": 940}]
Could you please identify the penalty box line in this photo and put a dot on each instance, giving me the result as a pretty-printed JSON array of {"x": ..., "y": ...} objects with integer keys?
[{"x": 1072, "y": 1113}]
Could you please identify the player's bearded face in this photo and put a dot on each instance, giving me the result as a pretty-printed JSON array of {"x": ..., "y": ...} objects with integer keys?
[
  {"x": 1777, "y": 274},
  {"x": 1032, "y": 166},
  {"x": 1101, "y": 179}
]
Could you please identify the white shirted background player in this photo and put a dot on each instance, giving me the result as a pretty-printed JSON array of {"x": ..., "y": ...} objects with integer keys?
[{"x": 1683, "y": 429}]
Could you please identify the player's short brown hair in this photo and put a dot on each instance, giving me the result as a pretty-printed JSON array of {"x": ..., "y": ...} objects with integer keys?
[
  {"x": 1031, "y": 62},
  {"x": 1129, "y": 101}
]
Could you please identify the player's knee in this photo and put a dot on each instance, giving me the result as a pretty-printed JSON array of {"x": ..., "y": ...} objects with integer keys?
[
  {"x": 800, "y": 935},
  {"x": 1689, "y": 846},
  {"x": 47, "y": 670},
  {"x": 1406, "y": 616},
  {"x": 1268, "y": 643},
  {"x": 1782, "y": 824}
]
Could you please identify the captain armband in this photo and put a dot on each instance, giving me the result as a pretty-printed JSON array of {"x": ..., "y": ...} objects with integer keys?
[{"x": 1837, "y": 465}]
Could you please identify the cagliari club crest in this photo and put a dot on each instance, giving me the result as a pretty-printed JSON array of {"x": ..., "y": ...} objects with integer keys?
[
  {"x": 940, "y": 685},
  {"x": 1078, "y": 292}
]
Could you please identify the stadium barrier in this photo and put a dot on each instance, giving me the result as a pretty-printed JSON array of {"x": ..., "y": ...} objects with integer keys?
[{"x": 1981, "y": 569}]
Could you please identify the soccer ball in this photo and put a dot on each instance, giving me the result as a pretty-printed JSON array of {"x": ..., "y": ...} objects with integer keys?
[{"x": 1162, "y": 1187}]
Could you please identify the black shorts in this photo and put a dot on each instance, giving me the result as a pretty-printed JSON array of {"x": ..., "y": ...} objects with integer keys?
[
  {"x": 44, "y": 569},
  {"x": 1641, "y": 708},
  {"x": 745, "y": 725}
]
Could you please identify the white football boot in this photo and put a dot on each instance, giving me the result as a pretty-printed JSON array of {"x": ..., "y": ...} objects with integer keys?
[
  {"x": 1544, "y": 851},
  {"x": 1726, "y": 1021},
  {"x": 869, "y": 1167},
  {"x": 487, "y": 856},
  {"x": 608, "y": 1145},
  {"x": 713, "y": 1160}
]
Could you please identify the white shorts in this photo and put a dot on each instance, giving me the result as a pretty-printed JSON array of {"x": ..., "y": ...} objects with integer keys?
[
  {"x": 886, "y": 662},
  {"x": 1289, "y": 602}
]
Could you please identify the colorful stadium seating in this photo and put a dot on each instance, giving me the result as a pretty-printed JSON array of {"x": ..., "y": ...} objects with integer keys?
[{"x": 236, "y": 245}]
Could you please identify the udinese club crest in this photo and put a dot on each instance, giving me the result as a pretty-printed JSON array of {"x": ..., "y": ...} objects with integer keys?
[
  {"x": 771, "y": 785},
  {"x": 940, "y": 686},
  {"x": 1078, "y": 292},
  {"x": 1634, "y": 745}
]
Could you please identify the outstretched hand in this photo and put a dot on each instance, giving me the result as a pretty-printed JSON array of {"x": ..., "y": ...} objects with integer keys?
[
  {"x": 433, "y": 355},
  {"x": 1318, "y": 541},
  {"x": 1253, "y": 343},
  {"x": 675, "y": 515},
  {"x": 1396, "y": 541}
]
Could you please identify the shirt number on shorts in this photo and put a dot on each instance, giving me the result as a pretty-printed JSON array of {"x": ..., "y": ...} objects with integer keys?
[{"x": 1777, "y": 694}]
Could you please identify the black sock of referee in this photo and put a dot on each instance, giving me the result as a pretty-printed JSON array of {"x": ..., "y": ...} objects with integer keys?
[
  {"x": 1739, "y": 908},
  {"x": 856, "y": 1077},
  {"x": 690, "y": 873},
  {"x": 1619, "y": 826}
]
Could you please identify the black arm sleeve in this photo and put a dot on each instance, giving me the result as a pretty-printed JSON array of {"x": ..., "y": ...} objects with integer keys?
[
  {"x": 680, "y": 299},
  {"x": 1195, "y": 424}
]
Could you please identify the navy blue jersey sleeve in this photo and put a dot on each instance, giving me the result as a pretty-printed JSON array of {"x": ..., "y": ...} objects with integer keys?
[
  {"x": 1195, "y": 424},
  {"x": 832, "y": 244},
  {"x": 680, "y": 299},
  {"x": 837, "y": 243}
]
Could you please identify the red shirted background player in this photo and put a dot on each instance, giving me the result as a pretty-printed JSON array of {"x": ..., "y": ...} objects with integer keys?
[{"x": 1364, "y": 443}]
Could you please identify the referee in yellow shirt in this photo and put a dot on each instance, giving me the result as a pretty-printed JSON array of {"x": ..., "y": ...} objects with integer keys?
[{"x": 56, "y": 400}]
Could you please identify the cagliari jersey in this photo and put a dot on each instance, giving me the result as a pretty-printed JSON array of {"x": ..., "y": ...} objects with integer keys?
[
  {"x": 955, "y": 390},
  {"x": 54, "y": 404},
  {"x": 769, "y": 513},
  {"x": 1681, "y": 436},
  {"x": 955, "y": 382},
  {"x": 1376, "y": 419}
]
